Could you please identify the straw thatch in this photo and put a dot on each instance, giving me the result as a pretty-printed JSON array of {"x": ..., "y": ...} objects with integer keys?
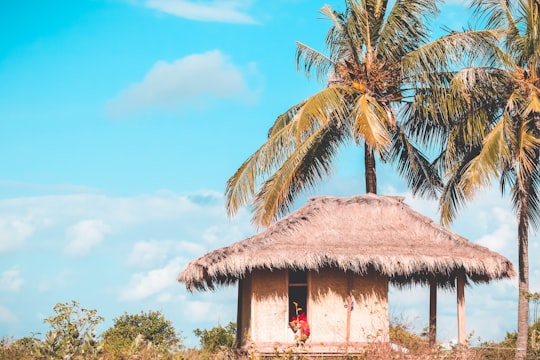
[{"x": 358, "y": 234}]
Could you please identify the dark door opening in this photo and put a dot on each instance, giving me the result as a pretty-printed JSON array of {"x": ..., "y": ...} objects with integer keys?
[{"x": 297, "y": 293}]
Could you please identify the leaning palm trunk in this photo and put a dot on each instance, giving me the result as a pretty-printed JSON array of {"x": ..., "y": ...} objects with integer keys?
[
  {"x": 503, "y": 108},
  {"x": 523, "y": 301},
  {"x": 506, "y": 147},
  {"x": 370, "y": 169},
  {"x": 523, "y": 265}
]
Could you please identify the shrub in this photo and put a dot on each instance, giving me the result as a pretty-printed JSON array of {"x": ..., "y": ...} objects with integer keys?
[
  {"x": 146, "y": 331},
  {"x": 73, "y": 333},
  {"x": 218, "y": 342}
]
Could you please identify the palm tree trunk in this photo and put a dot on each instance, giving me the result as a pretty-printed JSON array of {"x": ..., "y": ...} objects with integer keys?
[
  {"x": 369, "y": 166},
  {"x": 523, "y": 260}
]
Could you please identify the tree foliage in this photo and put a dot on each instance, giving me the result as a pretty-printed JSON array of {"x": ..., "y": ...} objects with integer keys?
[
  {"x": 72, "y": 333},
  {"x": 383, "y": 78},
  {"x": 496, "y": 129},
  {"x": 219, "y": 339},
  {"x": 508, "y": 344},
  {"x": 132, "y": 332}
]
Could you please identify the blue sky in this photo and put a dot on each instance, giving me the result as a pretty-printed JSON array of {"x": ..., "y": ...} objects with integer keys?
[{"x": 121, "y": 121}]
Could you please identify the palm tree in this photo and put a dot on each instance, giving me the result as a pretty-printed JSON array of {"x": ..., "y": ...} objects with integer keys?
[
  {"x": 497, "y": 135},
  {"x": 379, "y": 59}
]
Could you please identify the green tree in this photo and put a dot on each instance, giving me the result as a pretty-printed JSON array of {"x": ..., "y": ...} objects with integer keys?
[
  {"x": 218, "y": 340},
  {"x": 379, "y": 63},
  {"x": 498, "y": 134},
  {"x": 73, "y": 332},
  {"x": 508, "y": 344},
  {"x": 130, "y": 333}
]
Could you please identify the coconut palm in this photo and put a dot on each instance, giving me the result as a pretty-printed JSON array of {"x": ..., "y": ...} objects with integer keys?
[
  {"x": 379, "y": 59},
  {"x": 497, "y": 135}
]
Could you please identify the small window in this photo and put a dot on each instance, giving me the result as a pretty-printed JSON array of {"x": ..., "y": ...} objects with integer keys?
[{"x": 297, "y": 293}]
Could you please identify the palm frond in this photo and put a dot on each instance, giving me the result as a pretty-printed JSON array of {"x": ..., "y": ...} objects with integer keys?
[
  {"x": 346, "y": 39},
  {"x": 421, "y": 176},
  {"x": 494, "y": 14},
  {"x": 508, "y": 177},
  {"x": 452, "y": 198},
  {"x": 533, "y": 105},
  {"x": 240, "y": 187},
  {"x": 452, "y": 52},
  {"x": 460, "y": 116},
  {"x": 284, "y": 119},
  {"x": 377, "y": 10},
  {"x": 526, "y": 189},
  {"x": 329, "y": 104},
  {"x": 534, "y": 197},
  {"x": 427, "y": 119},
  {"x": 371, "y": 123},
  {"x": 310, "y": 162},
  {"x": 482, "y": 170},
  {"x": 310, "y": 60},
  {"x": 526, "y": 156},
  {"x": 405, "y": 28},
  {"x": 356, "y": 41}
]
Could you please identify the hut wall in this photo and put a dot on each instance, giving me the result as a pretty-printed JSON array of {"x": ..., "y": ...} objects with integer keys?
[
  {"x": 269, "y": 307},
  {"x": 244, "y": 310},
  {"x": 369, "y": 319},
  {"x": 328, "y": 308},
  {"x": 265, "y": 318}
]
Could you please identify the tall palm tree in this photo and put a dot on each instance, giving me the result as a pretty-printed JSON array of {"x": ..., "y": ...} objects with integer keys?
[
  {"x": 497, "y": 135},
  {"x": 379, "y": 58}
]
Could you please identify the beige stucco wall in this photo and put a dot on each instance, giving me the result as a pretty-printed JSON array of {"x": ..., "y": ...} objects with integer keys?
[
  {"x": 269, "y": 307},
  {"x": 370, "y": 316},
  {"x": 327, "y": 315},
  {"x": 327, "y": 310}
]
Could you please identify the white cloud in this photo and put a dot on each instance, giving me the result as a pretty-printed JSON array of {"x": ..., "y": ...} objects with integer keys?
[
  {"x": 11, "y": 280},
  {"x": 165, "y": 297},
  {"x": 503, "y": 236},
  {"x": 221, "y": 233},
  {"x": 176, "y": 222},
  {"x": 148, "y": 253},
  {"x": 185, "y": 81},
  {"x": 151, "y": 253},
  {"x": 14, "y": 232},
  {"x": 194, "y": 249},
  {"x": 85, "y": 235},
  {"x": 143, "y": 285},
  {"x": 57, "y": 281},
  {"x": 7, "y": 317},
  {"x": 211, "y": 307},
  {"x": 226, "y": 11}
]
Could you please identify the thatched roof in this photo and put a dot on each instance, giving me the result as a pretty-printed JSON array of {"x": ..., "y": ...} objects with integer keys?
[{"x": 359, "y": 234}]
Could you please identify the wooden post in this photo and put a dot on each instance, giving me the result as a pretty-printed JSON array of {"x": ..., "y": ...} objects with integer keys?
[
  {"x": 349, "y": 303},
  {"x": 348, "y": 334},
  {"x": 239, "y": 319},
  {"x": 432, "y": 312},
  {"x": 461, "y": 308}
]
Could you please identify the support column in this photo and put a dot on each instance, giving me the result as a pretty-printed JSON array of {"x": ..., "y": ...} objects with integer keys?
[
  {"x": 462, "y": 340},
  {"x": 239, "y": 320},
  {"x": 432, "y": 312},
  {"x": 349, "y": 309}
]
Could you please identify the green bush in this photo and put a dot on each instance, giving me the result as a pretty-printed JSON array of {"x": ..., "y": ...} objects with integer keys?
[
  {"x": 148, "y": 331},
  {"x": 218, "y": 342},
  {"x": 73, "y": 333}
]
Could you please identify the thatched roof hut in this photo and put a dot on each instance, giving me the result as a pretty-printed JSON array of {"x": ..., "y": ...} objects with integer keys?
[
  {"x": 357, "y": 233},
  {"x": 361, "y": 235}
]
